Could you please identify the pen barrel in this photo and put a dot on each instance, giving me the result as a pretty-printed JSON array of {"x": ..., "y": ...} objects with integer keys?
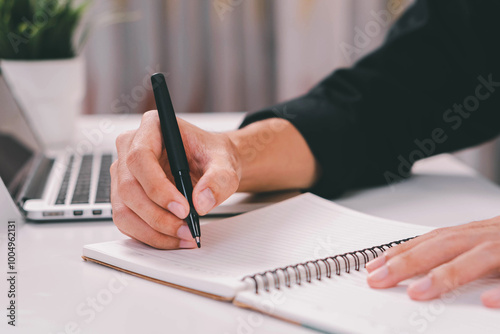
[
  {"x": 185, "y": 187},
  {"x": 175, "y": 150},
  {"x": 168, "y": 123}
]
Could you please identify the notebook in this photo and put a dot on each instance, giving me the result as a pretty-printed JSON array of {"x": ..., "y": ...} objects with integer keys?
[{"x": 302, "y": 260}]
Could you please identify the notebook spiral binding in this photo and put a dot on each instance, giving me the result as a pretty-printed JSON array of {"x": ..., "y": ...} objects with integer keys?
[{"x": 360, "y": 257}]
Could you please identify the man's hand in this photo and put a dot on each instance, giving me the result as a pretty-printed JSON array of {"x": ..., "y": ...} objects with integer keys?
[
  {"x": 146, "y": 203},
  {"x": 264, "y": 156},
  {"x": 449, "y": 257}
]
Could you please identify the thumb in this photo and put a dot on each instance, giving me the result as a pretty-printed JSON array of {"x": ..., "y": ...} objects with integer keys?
[{"x": 214, "y": 187}]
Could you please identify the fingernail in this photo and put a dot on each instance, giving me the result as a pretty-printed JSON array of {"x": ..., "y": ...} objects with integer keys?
[
  {"x": 177, "y": 209},
  {"x": 206, "y": 201},
  {"x": 375, "y": 263},
  {"x": 379, "y": 274},
  {"x": 184, "y": 233},
  {"x": 421, "y": 285},
  {"x": 187, "y": 244}
]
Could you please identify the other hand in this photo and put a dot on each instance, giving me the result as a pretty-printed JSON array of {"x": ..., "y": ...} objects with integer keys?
[{"x": 448, "y": 257}]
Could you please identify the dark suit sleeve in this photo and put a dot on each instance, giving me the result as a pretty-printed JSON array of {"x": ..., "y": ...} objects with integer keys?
[{"x": 432, "y": 87}]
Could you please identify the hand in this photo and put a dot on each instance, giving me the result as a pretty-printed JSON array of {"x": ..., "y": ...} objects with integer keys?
[
  {"x": 146, "y": 203},
  {"x": 449, "y": 257}
]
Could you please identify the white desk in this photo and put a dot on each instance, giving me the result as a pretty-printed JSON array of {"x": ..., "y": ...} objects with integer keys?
[{"x": 55, "y": 284}]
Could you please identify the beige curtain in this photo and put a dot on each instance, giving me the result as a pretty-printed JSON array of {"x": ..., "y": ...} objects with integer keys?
[
  {"x": 220, "y": 55},
  {"x": 217, "y": 58}
]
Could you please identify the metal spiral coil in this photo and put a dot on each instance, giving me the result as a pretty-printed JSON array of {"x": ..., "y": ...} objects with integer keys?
[{"x": 359, "y": 257}]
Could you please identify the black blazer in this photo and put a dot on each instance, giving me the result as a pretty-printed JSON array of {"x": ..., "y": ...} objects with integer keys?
[{"x": 432, "y": 87}]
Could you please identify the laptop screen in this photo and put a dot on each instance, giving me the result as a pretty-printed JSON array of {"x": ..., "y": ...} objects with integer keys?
[{"x": 17, "y": 142}]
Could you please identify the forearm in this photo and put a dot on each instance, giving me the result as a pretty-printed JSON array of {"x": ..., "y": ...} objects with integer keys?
[
  {"x": 366, "y": 124},
  {"x": 274, "y": 156}
]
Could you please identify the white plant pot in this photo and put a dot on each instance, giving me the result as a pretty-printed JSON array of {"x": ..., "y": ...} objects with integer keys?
[{"x": 50, "y": 92}]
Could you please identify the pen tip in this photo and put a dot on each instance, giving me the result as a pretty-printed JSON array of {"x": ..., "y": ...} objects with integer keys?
[{"x": 198, "y": 241}]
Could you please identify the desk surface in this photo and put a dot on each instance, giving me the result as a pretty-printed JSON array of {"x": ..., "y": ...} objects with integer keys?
[{"x": 59, "y": 293}]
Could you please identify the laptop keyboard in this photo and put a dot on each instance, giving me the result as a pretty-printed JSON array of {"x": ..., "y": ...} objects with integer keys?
[
  {"x": 61, "y": 197},
  {"x": 81, "y": 193},
  {"x": 103, "y": 187},
  {"x": 82, "y": 188}
]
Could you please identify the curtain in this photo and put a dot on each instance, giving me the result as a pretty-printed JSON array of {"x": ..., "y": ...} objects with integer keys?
[{"x": 219, "y": 55}]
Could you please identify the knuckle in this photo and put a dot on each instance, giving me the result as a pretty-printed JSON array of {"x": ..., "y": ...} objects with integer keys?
[
  {"x": 410, "y": 262},
  {"x": 156, "y": 194},
  {"x": 491, "y": 247},
  {"x": 156, "y": 221},
  {"x": 437, "y": 232},
  {"x": 448, "y": 275},
  {"x": 134, "y": 156},
  {"x": 452, "y": 238},
  {"x": 394, "y": 251},
  {"x": 120, "y": 140},
  {"x": 226, "y": 178},
  {"x": 120, "y": 214},
  {"x": 125, "y": 185},
  {"x": 148, "y": 115},
  {"x": 453, "y": 241},
  {"x": 407, "y": 257},
  {"x": 124, "y": 138}
]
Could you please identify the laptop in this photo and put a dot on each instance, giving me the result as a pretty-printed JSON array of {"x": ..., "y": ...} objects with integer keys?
[{"x": 50, "y": 185}]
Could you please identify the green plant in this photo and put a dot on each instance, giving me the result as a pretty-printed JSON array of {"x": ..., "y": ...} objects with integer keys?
[{"x": 40, "y": 29}]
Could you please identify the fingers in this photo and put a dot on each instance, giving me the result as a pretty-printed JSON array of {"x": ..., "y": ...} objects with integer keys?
[
  {"x": 450, "y": 257},
  {"x": 491, "y": 298},
  {"x": 399, "y": 249},
  {"x": 135, "y": 214},
  {"x": 132, "y": 225},
  {"x": 134, "y": 197},
  {"x": 215, "y": 186},
  {"x": 143, "y": 160},
  {"x": 419, "y": 259},
  {"x": 478, "y": 262},
  {"x": 392, "y": 252},
  {"x": 150, "y": 207}
]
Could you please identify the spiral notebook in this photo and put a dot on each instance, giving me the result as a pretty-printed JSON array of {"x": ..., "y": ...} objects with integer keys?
[{"x": 300, "y": 260}]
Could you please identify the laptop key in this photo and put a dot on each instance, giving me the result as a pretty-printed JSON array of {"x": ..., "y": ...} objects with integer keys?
[
  {"x": 82, "y": 188},
  {"x": 103, "y": 186},
  {"x": 61, "y": 196}
]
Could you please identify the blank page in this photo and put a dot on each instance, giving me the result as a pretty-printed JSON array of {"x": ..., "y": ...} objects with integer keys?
[{"x": 302, "y": 228}]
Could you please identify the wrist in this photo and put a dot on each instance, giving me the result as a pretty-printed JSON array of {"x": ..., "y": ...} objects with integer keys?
[
  {"x": 237, "y": 142},
  {"x": 273, "y": 155}
]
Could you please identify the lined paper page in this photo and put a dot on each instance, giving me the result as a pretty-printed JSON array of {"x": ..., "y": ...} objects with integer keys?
[
  {"x": 346, "y": 304},
  {"x": 302, "y": 228}
]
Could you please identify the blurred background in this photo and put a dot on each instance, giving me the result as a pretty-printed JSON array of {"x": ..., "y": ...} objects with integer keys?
[
  {"x": 232, "y": 55},
  {"x": 221, "y": 55}
]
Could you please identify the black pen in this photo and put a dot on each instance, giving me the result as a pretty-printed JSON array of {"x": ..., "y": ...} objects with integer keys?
[{"x": 175, "y": 150}]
